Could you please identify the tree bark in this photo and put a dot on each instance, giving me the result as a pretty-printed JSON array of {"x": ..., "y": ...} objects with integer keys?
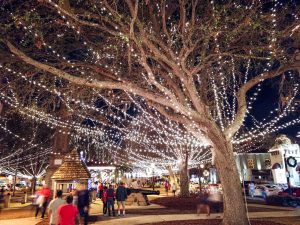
[
  {"x": 33, "y": 184},
  {"x": 173, "y": 178},
  {"x": 1, "y": 107},
  {"x": 65, "y": 4},
  {"x": 184, "y": 179},
  {"x": 60, "y": 145},
  {"x": 234, "y": 206},
  {"x": 15, "y": 182}
]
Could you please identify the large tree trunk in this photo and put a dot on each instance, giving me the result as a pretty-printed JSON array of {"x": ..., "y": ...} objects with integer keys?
[
  {"x": 60, "y": 145},
  {"x": 173, "y": 178},
  {"x": 33, "y": 185},
  {"x": 234, "y": 206},
  {"x": 61, "y": 136},
  {"x": 184, "y": 179}
]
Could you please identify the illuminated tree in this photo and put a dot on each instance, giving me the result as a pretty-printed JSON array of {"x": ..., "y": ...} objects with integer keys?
[
  {"x": 199, "y": 63},
  {"x": 166, "y": 144},
  {"x": 24, "y": 147}
]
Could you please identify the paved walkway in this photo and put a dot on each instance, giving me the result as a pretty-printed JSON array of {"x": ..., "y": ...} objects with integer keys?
[
  {"x": 271, "y": 207},
  {"x": 96, "y": 207},
  {"x": 22, "y": 221},
  {"x": 138, "y": 219},
  {"x": 135, "y": 220}
]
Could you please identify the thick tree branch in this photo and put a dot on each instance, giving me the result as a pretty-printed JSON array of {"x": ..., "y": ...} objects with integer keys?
[
  {"x": 242, "y": 93},
  {"x": 93, "y": 84},
  {"x": 83, "y": 22},
  {"x": 194, "y": 6},
  {"x": 164, "y": 20},
  {"x": 1, "y": 107}
]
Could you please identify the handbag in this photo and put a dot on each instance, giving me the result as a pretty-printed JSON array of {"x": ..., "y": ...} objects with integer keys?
[{"x": 40, "y": 200}]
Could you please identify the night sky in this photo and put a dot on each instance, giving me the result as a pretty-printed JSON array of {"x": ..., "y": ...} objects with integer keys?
[{"x": 268, "y": 101}]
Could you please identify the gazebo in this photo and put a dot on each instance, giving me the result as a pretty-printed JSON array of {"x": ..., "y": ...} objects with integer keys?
[{"x": 70, "y": 174}]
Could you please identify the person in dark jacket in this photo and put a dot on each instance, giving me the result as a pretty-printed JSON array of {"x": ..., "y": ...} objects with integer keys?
[
  {"x": 104, "y": 200},
  {"x": 100, "y": 190},
  {"x": 121, "y": 196},
  {"x": 1, "y": 199},
  {"x": 83, "y": 203},
  {"x": 111, "y": 194}
]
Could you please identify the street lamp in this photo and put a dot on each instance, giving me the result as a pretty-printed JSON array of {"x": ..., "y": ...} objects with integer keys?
[
  {"x": 152, "y": 167},
  {"x": 201, "y": 167},
  {"x": 287, "y": 173}
]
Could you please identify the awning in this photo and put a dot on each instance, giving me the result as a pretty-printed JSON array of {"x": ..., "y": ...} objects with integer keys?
[{"x": 276, "y": 166}]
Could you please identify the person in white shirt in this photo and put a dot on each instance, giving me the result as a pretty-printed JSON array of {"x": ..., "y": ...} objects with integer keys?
[
  {"x": 53, "y": 207},
  {"x": 252, "y": 189},
  {"x": 174, "y": 188}
]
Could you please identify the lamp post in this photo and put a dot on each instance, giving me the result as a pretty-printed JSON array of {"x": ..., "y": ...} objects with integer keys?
[
  {"x": 201, "y": 167},
  {"x": 152, "y": 167}
]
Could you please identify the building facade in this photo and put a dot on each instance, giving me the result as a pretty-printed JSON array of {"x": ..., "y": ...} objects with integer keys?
[
  {"x": 280, "y": 164},
  {"x": 254, "y": 166},
  {"x": 285, "y": 161}
]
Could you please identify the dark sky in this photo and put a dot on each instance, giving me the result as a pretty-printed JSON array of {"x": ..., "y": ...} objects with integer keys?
[{"x": 268, "y": 101}]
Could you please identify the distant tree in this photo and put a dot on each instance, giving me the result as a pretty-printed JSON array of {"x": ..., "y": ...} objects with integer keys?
[
  {"x": 155, "y": 139},
  {"x": 24, "y": 147}
]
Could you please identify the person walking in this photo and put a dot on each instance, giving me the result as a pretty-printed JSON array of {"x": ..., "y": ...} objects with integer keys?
[
  {"x": 174, "y": 188},
  {"x": 42, "y": 200},
  {"x": 1, "y": 199},
  {"x": 167, "y": 187},
  {"x": 111, "y": 194},
  {"x": 68, "y": 213},
  {"x": 54, "y": 206},
  {"x": 104, "y": 200},
  {"x": 204, "y": 203},
  {"x": 83, "y": 203},
  {"x": 121, "y": 195},
  {"x": 100, "y": 190},
  {"x": 75, "y": 197},
  {"x": 252, "y": 189}
]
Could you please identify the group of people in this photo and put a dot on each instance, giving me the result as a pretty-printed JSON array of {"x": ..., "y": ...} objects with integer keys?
[
  {"x": 108, "y": 195},
  {"x": 167, "y": 187},
  {"x": 75, "y": 206},
  {"x": 68, "y": 211}
]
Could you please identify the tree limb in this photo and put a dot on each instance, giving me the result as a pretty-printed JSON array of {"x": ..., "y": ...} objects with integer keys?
[
  {"x": 88, "y": 83},
  {"x": 242, "y": 93}
]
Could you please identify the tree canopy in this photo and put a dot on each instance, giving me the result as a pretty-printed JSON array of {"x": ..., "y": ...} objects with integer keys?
[{"x": 201, "y": 64}]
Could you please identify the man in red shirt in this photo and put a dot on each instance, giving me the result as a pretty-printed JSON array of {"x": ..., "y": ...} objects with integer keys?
[
  {"x": 45, "y": 194},
  {"x": 68, "y": 214}
]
